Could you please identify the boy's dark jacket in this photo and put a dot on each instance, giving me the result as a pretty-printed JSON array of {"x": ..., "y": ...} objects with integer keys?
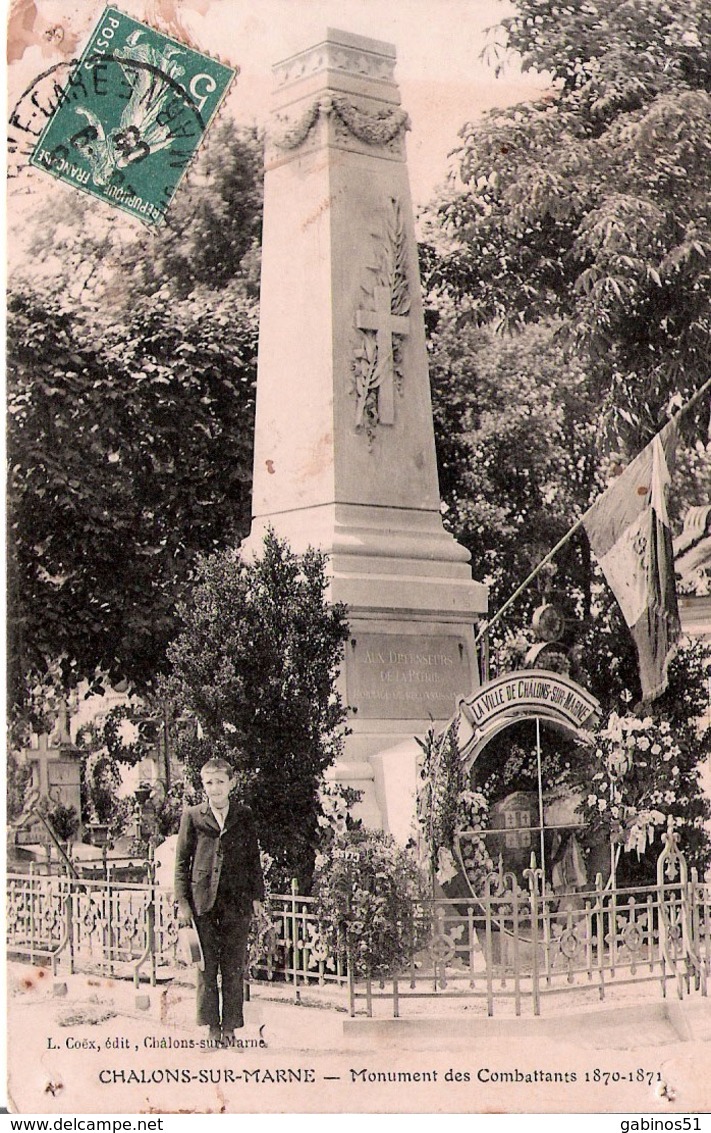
[{"x": 207, "y": 857}]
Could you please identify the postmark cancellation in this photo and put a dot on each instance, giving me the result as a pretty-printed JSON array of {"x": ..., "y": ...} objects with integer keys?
[{"x": 131, "y": 116}]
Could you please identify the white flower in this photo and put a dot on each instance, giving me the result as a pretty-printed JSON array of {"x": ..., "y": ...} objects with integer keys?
[
  {"x": 592, "y": 799},
  {"x": 601, "y": 804},
  {"x": 643, "y": 743},
  {"x": 675, "y": 770},
  {"x": 615, "y": 811},
  {"x": 656, "y": 749},
  {"x": 637, "y": 839},
  {"x": 665, "y": 727},
  {"x": 669, "y": 796},
  {"x": 227, "y": 727},
  {"x": 446, "y": 866},
  {"x": 666, "y": 756}
]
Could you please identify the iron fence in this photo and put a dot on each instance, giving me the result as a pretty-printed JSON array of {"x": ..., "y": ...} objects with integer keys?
[
  {"x": 125, "y": 928},
  {"x": 523, "y": 943},
  {"x": 515, "y": 945}
]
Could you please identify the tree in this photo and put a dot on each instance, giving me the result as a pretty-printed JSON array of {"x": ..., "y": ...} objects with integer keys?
[
  {"x": 578, "y": 228},
  {"x": 131, "y": 372},
  {"x": 607, "y": 315},
  {"x": 592, "y": 205},
  {"x": 129, "y": 452},
  {"x": 256, "y": 662},
  {"x": 210, "y": 238},
  {"x": 515, "y": 434}
]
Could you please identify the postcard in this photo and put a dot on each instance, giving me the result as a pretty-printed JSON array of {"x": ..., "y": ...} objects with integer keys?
[{"x": 302, "y": 817}]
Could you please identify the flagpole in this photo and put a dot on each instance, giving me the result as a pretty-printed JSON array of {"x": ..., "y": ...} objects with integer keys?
[
  {"x": 578, "y": 523},
  {"x": 693, "y": 399},
  {"x": 527, "y": 582}
]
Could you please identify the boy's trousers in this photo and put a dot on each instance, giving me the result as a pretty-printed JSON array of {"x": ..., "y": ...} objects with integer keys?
[{"x": 223, "y": 933}]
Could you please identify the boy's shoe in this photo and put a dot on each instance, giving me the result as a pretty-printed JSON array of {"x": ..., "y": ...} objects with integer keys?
[
  {"x": 215, "y": 1036},
  {"x": 228, "y": 1036}
]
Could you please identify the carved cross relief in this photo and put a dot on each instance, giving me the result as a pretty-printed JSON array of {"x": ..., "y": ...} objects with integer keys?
[
  {"x": 386, "y": 324},
  {"x": 382, "y": 320}
]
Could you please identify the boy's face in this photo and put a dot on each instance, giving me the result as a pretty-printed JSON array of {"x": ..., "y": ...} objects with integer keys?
[{"x": 217, "y": 786}]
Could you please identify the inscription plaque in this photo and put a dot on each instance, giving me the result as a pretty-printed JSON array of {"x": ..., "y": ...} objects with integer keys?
[{"x": 406, "y": 677}]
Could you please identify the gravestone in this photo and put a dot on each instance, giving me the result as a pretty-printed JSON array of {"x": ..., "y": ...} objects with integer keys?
[
  {"x": 344, "y": 446},
  {"x": 56, "y": 776}
]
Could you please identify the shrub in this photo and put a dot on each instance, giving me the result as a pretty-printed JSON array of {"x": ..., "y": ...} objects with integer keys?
[
  {"x": 366, "y": 883},
  {"x": 64, "y": 820},
  {"x": 194, "y": 751},
  {"x": 256, "y": 663},
  {"x": 180, "y": 795},
  {"x": 102, "y": 779}
]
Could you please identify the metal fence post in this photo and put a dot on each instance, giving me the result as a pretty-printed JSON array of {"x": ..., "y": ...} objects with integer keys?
[
  {"x": 32, "y": 912},
  {"x": 69, "y": 916},
  {"x": 295, "y": 939},
  {"x": 532, "y": 874},
  {"x": 149, "y": 952}
]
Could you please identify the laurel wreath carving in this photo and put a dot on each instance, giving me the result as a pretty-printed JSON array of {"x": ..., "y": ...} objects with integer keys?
[
  {"x": 389, "y": 271},
  {"x": 297, "y": 134},
  {"x": 375, "y": 129},
  {"x": 378, "y": 129}
]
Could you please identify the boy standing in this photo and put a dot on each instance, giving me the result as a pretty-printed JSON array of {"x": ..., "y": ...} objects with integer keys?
[{"x": 218, "y": 882}]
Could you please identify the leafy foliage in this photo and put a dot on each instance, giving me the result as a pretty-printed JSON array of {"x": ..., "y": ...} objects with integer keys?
[
  {"x": 592, "y": 205},
  {"x": 101, "y": 777},
  {"x": 193, "y": 751},
  {"x": 580, "y": 224},
  {"x": 131, "y": 371},
  {"x": 118, "y": 733},
  {"x": 256, "y": 662},
  {"x": 109, "y": 743},
  {"x": 210, "y": 238},
  {"x": 18, "y": 778},
  {"x": 515, "y": 433},
  {"x": 179, "y": 795},
  {"x": 64, "y": 820},
  {"x": 126, "y": 461},
  {"x": 365, "y": 881}
]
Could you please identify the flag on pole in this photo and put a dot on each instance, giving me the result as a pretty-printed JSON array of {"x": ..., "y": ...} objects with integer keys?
[{"x": 628, "y": 529}]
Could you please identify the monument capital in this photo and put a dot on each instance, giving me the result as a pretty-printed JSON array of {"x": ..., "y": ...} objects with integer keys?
[{"x": 341, "y": 61}]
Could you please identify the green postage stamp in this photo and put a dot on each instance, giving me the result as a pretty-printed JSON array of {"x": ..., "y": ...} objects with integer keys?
[{"x": 131, "y": 116}]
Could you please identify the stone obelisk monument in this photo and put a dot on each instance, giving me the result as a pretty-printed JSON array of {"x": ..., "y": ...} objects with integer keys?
[{"x": 344, "y": 450}]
